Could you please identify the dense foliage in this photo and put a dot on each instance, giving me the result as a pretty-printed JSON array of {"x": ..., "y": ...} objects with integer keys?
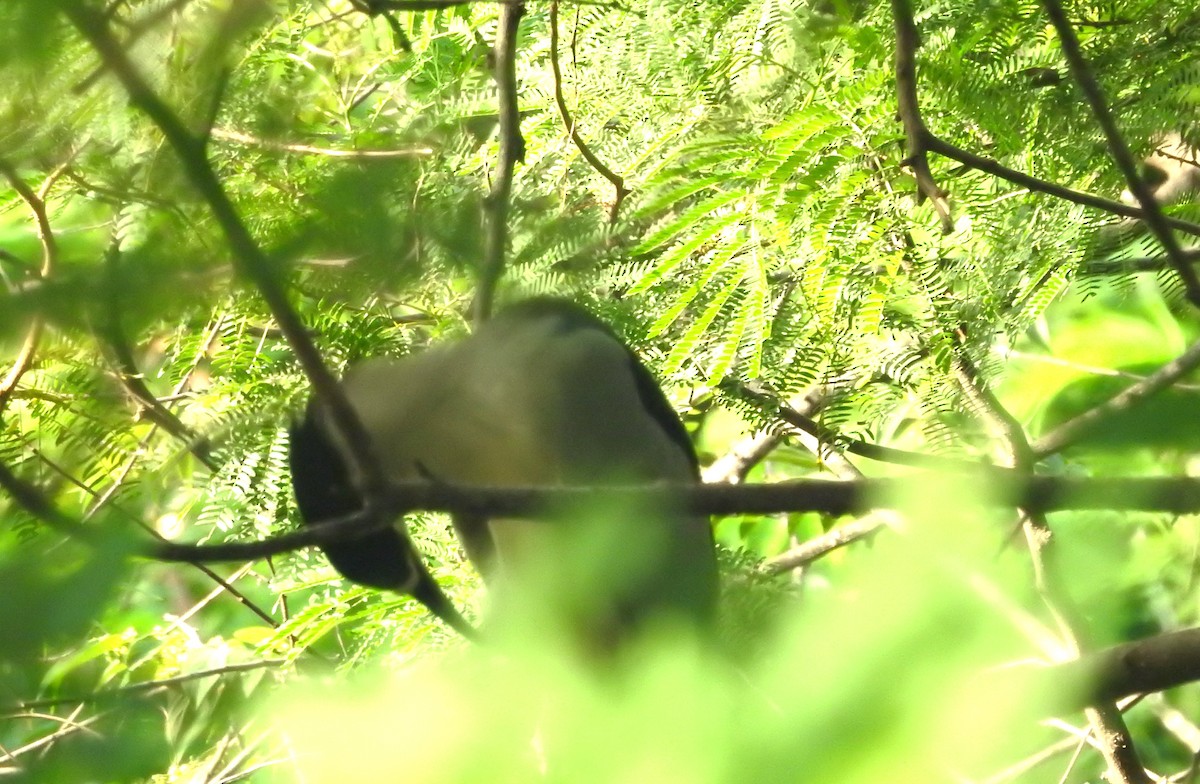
[{"x": 771, "y": 261}]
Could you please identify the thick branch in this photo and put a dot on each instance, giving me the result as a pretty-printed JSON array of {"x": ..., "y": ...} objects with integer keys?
[{"x": 1005, "y": 488}]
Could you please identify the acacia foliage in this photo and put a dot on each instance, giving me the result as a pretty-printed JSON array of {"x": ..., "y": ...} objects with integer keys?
[{"x": 771, "y": 237}]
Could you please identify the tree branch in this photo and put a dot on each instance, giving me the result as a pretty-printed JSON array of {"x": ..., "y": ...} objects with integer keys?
[
  {"x": 308, "y": 149},
  {"x": 617, "y": 180},
  {"x": 920, "y": 141},
  {"x": 818, "y": 547},
  {"x": 250, "y": 261},
  {"x": 36, "y": 202},
  {"x": 512, "y": 151},
  {"x": 1006, "y": 488},
  {"x": 1073, "y": 429},
  {"x": 916, "y": 159},
  {"x": 133, "y": 381},
  {"x": 996, "y": 169},
  {"x": 146, "y": 686},
  {"x": 1153, "y": 215},
  {"x": 1106, "y": 721}
]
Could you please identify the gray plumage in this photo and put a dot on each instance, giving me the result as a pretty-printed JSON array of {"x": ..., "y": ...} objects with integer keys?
[{"x": 544, "y": 393}]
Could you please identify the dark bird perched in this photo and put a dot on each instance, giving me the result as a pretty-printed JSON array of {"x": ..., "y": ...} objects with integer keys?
[{"x": 543, "y": 394}]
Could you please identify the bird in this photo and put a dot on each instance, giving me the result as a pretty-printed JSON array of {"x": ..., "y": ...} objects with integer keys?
[{"x": 542, "y": 394}]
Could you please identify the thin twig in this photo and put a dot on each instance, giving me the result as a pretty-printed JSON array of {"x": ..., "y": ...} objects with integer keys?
[
  {"x": 136, "y": 31},
  {"x": 829, "y": 439},
  {"x": 36, "y": 202},
  {"x": 147, "y": 686},
  {"x": 1080, "y": 367},
  {"x": 617, "y": 180},
  {"x": 1019, "y": 769},
  {"x": 221, "y": 582},
  {"x": 66, "y": 727},
  {"x": 132, "y": 380},
  {"x": 379, "y": 6},
  {"x": 736, "y": 463},
  {"x": 328, "y": 152},
  {"x": 1119, "y": 266}
]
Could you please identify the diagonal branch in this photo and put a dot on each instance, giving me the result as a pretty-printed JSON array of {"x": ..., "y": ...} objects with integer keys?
[
  {"x": 1155, "y": 220},
  {"x": 818, "y": 547},
  {"x": 997, "y": 169},
  {"x": 251, "y": 262},
  {"x": 133, "y": 381},
  {"x": 1072, "y": 430},
  {"x": 275, "y": 145},
  {"x": 224, "y": 584},
  {"x": 920, "y": 140}
]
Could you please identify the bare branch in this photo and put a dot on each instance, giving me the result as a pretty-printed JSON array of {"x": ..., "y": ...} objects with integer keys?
[
  {"x": 148, "y": 686},
  {"x": 136, "y": 31},
  {"x": 818, "y": 547},
  {"x": 915, "y": 133},
  {"x": 221, "y": 582},
  {"x": 617, "y": 180},
  {"x": 1141, "y": 667},
  {"x": 134, "y": 383},
  {"x": 1108, "y": 725},
  {"x": 328, "y": 152},
  {"x": 1073, "y": 429},
  {"x": 36, "y": 202},
  {"x": 997, "y": 169},
  {"x": 250, "y": 261},
  {"x": 1178, "y": 495},
  {"x": 512, "y": 151},
  {"x": 379, "y": 6},
  {"x": 1155, "y": 220},
  {"x": 67, "y": 726}
]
